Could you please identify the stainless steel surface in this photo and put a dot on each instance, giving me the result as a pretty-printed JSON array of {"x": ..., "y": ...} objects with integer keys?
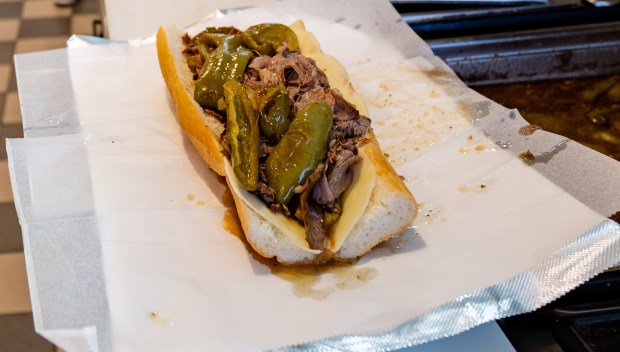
[
  {"x": 603, "y": 3},
  {"x": 574, "y": 51},
  {"x": 443, "y": 10}
]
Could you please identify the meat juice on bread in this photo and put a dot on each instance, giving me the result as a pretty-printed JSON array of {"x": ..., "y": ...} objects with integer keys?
[{"x": 267, "y": 109}]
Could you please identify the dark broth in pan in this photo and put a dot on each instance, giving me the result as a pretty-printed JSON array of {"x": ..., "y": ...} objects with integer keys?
[{"x": 586, "y": 110}]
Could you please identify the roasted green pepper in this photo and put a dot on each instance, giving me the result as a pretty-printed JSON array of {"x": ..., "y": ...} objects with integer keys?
[
  {"x": 227, "y": 62},
  {"x": 299, "y": 151},
  {"x": 208, "y": 42},
  {"x": 331, "y": 218},
  {"x": 243, "y": 132},
  {"x": 266, "y": 37},
  {"x": 275, "y": 106}
]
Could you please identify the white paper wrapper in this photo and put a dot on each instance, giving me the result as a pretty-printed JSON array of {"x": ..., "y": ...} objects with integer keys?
[{"x": 123, "y": 221}]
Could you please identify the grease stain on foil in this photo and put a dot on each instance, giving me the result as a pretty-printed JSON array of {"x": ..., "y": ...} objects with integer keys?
[
  {"x": 160, "y": 319},
  {"x": 410, "y": 106},
  {"x": 319, "y": 282},
  {"x": 476, "y": 188},
  {"x": 315, "y": 282}
]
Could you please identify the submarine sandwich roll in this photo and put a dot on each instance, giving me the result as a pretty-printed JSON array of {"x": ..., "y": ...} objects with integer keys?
[{"x": 278, "y": 118}]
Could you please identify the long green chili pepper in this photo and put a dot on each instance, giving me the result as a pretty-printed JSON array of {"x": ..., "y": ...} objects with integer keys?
[
  {"x": 210, "y": 41},
  {"x": 275, "y": 106},
  {"x": 243, "y": 132},
  {"x": 299, "y": 151},
  {"x": 227, "y": 62},
  {"x": 266, "y": 37}
]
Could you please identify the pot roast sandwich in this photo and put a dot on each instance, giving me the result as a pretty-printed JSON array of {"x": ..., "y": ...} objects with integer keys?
[{"x": 267, "y": 109}]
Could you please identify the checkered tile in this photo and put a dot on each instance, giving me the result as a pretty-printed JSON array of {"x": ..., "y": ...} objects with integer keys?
[{"x": 25, "y": 26}]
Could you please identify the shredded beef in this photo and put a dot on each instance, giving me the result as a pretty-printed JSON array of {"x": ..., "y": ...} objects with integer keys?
[
  {"x": 267, "y": 194},
  {"x": 264, "y": 150},
  {"x": 352, "y": 128},
  {"x": 295, "y": 71}
]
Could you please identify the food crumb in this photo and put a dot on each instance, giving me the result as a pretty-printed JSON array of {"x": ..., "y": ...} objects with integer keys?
[
  {"x": 191, "y": 197},
  {"x": 527, "y": 156},
  {"x": 470, "y": 137},
  {"x": 528, "y": 130}
]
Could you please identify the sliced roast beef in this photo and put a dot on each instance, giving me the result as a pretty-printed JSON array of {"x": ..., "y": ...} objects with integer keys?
[
  {"x": 313, "y": 214},
  {"x": 341, "y": 174},
  {"x": 334, "y": 182},
  {"x": 322, "y": 194}
]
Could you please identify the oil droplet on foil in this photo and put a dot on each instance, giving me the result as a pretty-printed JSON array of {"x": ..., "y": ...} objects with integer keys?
[
  {"x": 476, "y": 188},
  {"x": 480, "y": 148},
  {"x": 87, "y": 138},
  {"x": 504, "y": 144},
  {"x": 52, "y": 120},
  {"x": 160, "y": 319}
]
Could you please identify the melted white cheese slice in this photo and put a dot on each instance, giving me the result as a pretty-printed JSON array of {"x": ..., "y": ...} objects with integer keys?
[{"x": 354, "y": 201}]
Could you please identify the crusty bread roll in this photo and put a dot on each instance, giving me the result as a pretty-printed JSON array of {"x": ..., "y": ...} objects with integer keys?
[{"x": 376, "y": 206}]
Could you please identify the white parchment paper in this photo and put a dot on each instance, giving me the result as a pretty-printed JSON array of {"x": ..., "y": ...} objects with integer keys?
[{"x": 176, "y": 280}]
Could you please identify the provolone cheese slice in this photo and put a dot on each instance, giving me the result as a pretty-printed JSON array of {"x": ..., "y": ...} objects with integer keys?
[{"x": 354, "y": 200}]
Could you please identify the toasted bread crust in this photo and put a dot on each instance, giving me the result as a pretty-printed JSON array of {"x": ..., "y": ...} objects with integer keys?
[
  {"x": 188, "y": 111},
  {"x": 391, "y": 209}
]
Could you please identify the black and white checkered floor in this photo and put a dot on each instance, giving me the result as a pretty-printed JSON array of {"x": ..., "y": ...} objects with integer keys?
[{"x": 25, "y": 26}]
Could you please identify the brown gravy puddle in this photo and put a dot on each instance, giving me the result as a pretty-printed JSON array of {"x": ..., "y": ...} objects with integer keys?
[
  {"x": 320, "y": 281},
  {"x": 231, "y": 222},
  {"x": 310, "y": 281},
  {"x": 586, "y": 110}
]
